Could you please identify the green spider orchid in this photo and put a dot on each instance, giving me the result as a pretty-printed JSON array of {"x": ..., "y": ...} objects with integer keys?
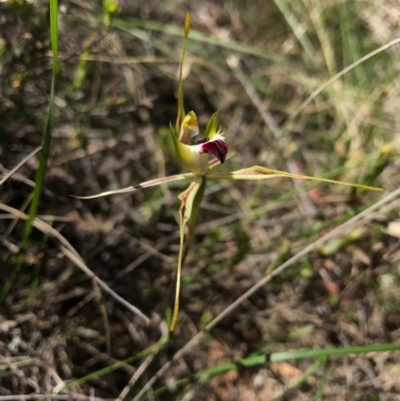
[{"x": 194, "y": 156}]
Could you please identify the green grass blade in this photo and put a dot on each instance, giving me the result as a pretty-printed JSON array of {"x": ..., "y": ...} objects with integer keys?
[
  {"x": 328, "y": 352},
  {"x": 117, "y": 365},
  {"x": 349, "y": 35},
  {"x": 130, "y": 25},
  {"x": 37, "y": 268},
  {"x": 46, "y": 140},
  {"x": 257, "y": 360},
  {"x": 297, "y": 29}
]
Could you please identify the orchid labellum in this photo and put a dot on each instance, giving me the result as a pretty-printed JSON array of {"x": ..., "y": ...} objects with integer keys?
[{"x": 194, "y": 154}]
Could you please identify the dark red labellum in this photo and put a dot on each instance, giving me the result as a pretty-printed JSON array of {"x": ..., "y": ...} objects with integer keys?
[{"x": 218, "y": 148}]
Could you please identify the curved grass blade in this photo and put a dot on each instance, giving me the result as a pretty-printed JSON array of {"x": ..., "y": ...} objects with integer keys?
[
  {"x": 187, "y": 207},
  {"x": 263, "y": 173},
  {"x": 312, "y": 96},
  {"x": 44, "y": 155},
  {"x": 135, "y": 188}
]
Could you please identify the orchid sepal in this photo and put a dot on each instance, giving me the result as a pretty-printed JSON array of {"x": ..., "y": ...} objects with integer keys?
[
  {"x": 263, "y": 173},
  {"x": 134, "y": 188},
  {"x": 186, "y": 209}
]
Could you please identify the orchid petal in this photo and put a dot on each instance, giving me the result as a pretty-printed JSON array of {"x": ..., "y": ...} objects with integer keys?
[
  {"x": 189, "y": 128},
  {"x": 135, "y": 188},
  {"x": 187, "y": 198},
  {"x": 263, "y": 173},
  {"x": 211, "y": 129}
]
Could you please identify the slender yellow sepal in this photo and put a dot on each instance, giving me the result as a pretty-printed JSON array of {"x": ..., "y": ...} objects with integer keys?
[
  {"x": 133, "y": 189},
  {"x": 187, "y": 198},
  {"x": 263, "y": 173}
]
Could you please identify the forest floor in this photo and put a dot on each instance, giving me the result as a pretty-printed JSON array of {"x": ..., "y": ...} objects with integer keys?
[{"x": 63, "y": 337}]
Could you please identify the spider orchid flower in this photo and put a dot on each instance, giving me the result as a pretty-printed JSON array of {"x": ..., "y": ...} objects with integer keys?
[{"x": 194, "y": 155}]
